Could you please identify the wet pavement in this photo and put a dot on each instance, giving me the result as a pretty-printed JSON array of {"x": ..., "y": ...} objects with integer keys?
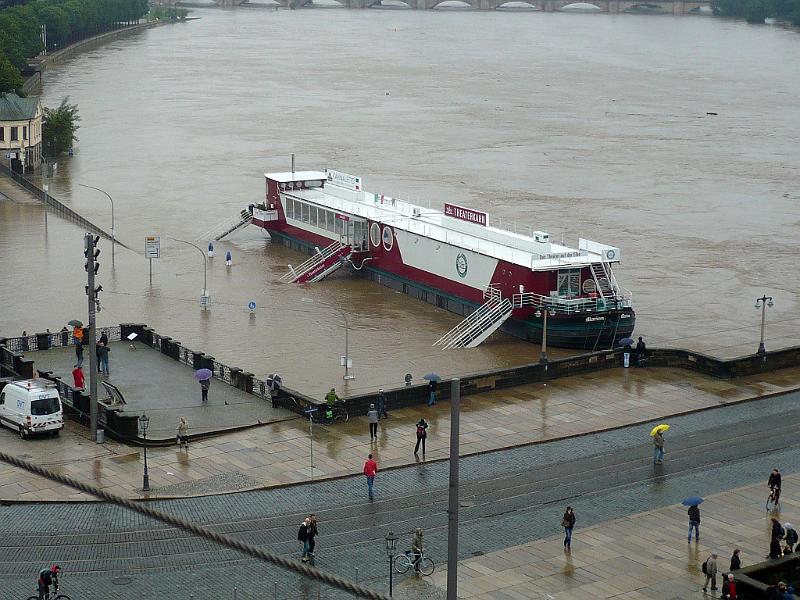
[
  {"x": 508, "y": 499},
  {"x": 166, "y": 390},
  {"x": 279, "y": 453}
]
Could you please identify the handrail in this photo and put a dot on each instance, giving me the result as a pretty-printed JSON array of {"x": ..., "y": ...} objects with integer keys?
[
  {"x": 311, "y": 262},
  {"x": 477, "y": 314},
  {"x": 481, "y": 326}
]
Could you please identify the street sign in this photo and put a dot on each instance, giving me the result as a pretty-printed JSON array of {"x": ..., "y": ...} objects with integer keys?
[
  {"x": 204, "y": 299},
  {"x": 152, "y": 246},
  {"x": 252, "y": 306}
]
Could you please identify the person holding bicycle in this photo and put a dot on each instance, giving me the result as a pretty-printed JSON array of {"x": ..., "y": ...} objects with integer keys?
[
  {"x": 48, "y": 577},
  {"x": 417, "y": 548}
]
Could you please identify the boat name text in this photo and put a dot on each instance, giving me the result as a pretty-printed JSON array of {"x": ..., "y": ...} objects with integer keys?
[
  {"x": 343, "y": 180},
  {"x": 465, "y": 214}
]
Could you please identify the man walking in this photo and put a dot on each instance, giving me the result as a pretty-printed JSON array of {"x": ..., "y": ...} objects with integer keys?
[
  {"x": 204, "y": 385},
  {"x": 658, "y": 448},
  {"x": 694, "y": 522},
  {"x": 710, "y": 571},
  {"x": 302, "y": 536},
  {"x": 370, "y": 469},
  {"x": 382, "y": 404},
  {"x": 432, "y": 392},
  {"x": 372, "y": 417},
  {"x": 78, "y": 354},
  {"x": 103, "y": 351},
  {"x": 312, "y": 534}
]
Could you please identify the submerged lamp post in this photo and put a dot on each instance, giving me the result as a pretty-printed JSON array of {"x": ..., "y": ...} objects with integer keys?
[
  {"x": 204, "y": 296},
  {"x": 391, "y": 549},
  {"x": 346, "y": 358},
  {"x": 763, "y": 303},
  {"x": 538, "y": 314},
  {"x": 113, "y": 229},
  {"x": 144, "y": 423}
]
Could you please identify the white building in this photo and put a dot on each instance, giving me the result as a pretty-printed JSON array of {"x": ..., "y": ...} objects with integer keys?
[{"x": 21, "y": 132}]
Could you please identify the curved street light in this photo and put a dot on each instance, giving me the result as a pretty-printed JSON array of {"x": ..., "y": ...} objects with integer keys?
[
  {"x": 204, "y": 298},
  {"x": 347, "y": 376},
  {"x": 539, "y": 313},
  {"x": 113, "y": 228},
  {"x": 763, "y": 303}
]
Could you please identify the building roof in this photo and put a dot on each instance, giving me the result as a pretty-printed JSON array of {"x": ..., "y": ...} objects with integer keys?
[{"x": 14, "y": 108}]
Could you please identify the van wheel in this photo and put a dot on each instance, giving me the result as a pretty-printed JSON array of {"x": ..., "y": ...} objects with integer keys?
[
  {"x": 56, "y": 432},
  {"x": 22, "y": 433}
]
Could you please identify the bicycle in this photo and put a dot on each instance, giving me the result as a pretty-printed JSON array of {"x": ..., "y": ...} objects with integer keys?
[
  {"x": 404, "y": 562},
  {"x": 54, "y": 595},
  {"x": 773, "y": 500}
]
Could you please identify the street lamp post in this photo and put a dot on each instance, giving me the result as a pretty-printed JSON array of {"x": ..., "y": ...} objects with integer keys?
[
  {"x": 113, "y": 228},
  {"x": 539, "y": 313},
  {"x": 763, "y": 303},
  {"x": 144, "y": 423},
  {"x": 391, "y": 550},
  {"x": 347, "y": 376},
  {"x": 205, "y": 295}
]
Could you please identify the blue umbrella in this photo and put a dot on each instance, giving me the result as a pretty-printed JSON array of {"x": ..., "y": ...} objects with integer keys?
[
  {"x": 692, "y": 501},
  {"x": 625, "y": 342},
  {"x": 431, "y": 377},
  {"x": 203, "y": 374}
]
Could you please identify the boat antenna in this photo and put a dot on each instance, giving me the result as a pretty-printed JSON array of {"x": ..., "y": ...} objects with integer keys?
[{"x": 292, "y": 162}]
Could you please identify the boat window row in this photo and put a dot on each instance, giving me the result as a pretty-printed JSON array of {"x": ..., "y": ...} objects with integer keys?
[{"x": 313, "y": 215}]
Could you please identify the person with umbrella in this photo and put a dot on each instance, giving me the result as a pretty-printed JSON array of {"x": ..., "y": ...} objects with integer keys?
[
  {"x": 641, "y": 351},
  {"x": 658, "y": 443},
  {"x": 274, "y": 382},
  {"x": 432, "y": 379},
  {"x": 204, "y": 377},
  {"x": 694, "y": 516}
]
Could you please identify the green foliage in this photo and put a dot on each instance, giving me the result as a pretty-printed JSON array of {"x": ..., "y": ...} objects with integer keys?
[
  {"x": 58, "y": 128},
  {"x": 167, "y": 13},
  {"x": 755, "y": 11},
  {"x": 10, "y": 79}
]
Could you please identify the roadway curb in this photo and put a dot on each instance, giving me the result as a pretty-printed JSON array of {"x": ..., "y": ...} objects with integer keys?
[{"x": 437, "y": 460}]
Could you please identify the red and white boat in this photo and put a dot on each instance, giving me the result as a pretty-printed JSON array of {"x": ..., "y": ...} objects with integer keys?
[{"x": 454, "y": 259}]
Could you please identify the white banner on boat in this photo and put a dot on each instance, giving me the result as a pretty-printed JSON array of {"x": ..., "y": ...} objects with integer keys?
[{"x": 343, "y": 180}]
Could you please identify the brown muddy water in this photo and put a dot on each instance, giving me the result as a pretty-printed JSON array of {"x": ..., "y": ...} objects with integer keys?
[{"x": 582, "y": 125}]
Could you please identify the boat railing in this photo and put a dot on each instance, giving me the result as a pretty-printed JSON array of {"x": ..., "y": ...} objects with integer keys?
[{"x": 569, "y": 305}]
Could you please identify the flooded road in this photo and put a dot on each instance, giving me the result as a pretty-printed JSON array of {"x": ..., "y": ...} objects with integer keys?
[{"x": 595, "y": 126}]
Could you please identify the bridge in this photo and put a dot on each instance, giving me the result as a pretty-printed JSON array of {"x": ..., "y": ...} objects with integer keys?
[{"x": 672, "y": 7}]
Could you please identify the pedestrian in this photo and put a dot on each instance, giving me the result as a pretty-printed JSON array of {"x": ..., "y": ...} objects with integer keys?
[
  {"x": 103, "y": 351},
  {"x": 64, "y": 337},
  {"x": 370, "y": 470},
  {"x": 77, "y": 377},
  {"x": 641, "y": 351},
  {"x": 774, "y": 548},
  {"x": 694, "y": 522},
  {"x": 777, "y": 529},
  {"x": 204, "y": 385},
  {"x": 312, "y": 534},
  {"x": 736, "y": 562},
  {"x": 568, "y": 522},
  {"x": 228, "y": 259},
  {"x": 729, "y": 587},
  {"x": 302, "y": 536},
  {"x": 658, "y": 448},
  {"x": 49, "y": 337},
  {"x": 710, "y": 571},
  {"x": 422, "y": 434},
  {"x": 104, "y": 337},
  {"x": 78, "y": 355},
  {"x": 372, "y": 417},
  {"x": 417, "y": 548},
  {"x": 183, "y": 433},
  {"x": 790, "y": 535},
  {"x": 97, "y": 347},
  {"x": 381, "y": 404},
  {"x": 77, "y": 335},
  {"x": 23, "y": 341},
  {"x": 331, "y": 398},
  {"x": 432, "y": 385},
  {"x": 774, "y": 480}
]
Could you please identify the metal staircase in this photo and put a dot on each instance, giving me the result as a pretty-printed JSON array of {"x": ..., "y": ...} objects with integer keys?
[
  {"x": 320, "y": 265},
  {"x": 603, "y": 277},
  {"x": 227, "y": 227},
  {"x": 478, "y": 326}
]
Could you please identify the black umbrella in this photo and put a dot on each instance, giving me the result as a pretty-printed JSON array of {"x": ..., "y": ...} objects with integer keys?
[{"x": 274, "y": 381}]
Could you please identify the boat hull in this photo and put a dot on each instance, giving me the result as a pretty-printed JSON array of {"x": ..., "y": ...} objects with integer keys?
[{"x": 586, "y": 331}]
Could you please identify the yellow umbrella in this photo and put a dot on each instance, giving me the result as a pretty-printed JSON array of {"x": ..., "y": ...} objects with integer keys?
[{"x": 659, "y": 429}]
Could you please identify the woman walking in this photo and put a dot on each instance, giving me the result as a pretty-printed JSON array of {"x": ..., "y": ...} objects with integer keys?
[
  {"x": 422, "y": 433},
  {"x": 568, "y": 522},
  {"x": 183, "y": 433}
]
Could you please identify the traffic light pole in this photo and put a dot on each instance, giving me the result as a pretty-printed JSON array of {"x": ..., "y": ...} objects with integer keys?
[{"x": 89, "y": 242}]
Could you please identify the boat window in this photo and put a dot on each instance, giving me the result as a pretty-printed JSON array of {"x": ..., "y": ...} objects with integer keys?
[
  {"x": 304, "y": 212},
  {"x": 329, "y": 220},
  {"x": 569, "y": 281},
  {"x": 313, "y": 216},
  {"x": 339, "y": 227},
  {"x": 288, "y": 208},
  {"x": 314, "y": 183}
]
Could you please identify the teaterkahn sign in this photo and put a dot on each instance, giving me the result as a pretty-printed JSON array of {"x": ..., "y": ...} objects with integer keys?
[{"x": 465, "y": 214}]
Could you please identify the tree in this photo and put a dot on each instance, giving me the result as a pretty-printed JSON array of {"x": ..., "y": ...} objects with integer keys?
[
  {"x": 58, "y": 128},
  {"x": 10, "y": 79}
]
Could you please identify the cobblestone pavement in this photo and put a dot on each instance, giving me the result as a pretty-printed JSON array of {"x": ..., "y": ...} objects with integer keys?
[
  {"x": 508, "y": 499},
  {"x": 278, "y": 453}
]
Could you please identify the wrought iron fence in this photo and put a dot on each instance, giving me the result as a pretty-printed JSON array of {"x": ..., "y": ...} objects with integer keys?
[{"x": 54, "y": 339}]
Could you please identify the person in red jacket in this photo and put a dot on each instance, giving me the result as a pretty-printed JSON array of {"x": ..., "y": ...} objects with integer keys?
[
  {"x": 77, "y": 377},
  {"x": 370, "y": 469},
  {"x": 729, "y": 588}
]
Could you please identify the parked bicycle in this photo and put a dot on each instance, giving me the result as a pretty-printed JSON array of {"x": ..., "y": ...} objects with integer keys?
[
  {"x": 406, "y": 561},
  {"x": 338, "y": 412}
]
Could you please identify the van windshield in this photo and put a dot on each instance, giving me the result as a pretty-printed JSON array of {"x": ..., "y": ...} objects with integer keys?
[{"x": 45, "y": 406}]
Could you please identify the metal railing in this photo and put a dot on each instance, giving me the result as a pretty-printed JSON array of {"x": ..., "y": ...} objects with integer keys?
[
  {"x": 54, "y": 339},
  {"x": 570, "y": 305}
]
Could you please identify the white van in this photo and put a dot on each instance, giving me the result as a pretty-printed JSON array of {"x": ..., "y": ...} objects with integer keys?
[{"x": 32, "y": 407}]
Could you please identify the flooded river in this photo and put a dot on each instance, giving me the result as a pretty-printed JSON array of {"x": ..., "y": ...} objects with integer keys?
[{"x": 596, "y": 126}]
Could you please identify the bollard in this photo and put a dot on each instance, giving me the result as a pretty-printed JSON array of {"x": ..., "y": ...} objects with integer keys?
[
  {"x": 356, "y": 574},
  {"x": 275, "y": 593},
  {"x": 319, "y": 590},
  {"x": 235, "y": 592}
]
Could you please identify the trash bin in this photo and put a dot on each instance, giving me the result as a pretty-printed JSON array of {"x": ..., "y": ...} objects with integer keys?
[{"x": 101, "y": 436}]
